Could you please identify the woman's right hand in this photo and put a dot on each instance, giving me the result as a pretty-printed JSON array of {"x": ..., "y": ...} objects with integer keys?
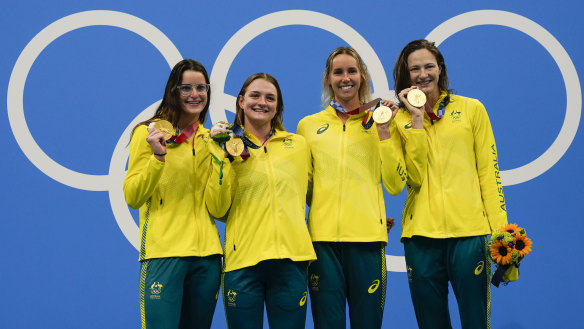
[
  {"x": 220, "y": 133},
  {"x": 417, "y": 112},
  {"x": 156, "y": 140}
]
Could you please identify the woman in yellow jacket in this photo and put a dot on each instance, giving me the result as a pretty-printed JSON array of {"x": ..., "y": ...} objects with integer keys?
[
  {"x": 180, "y": 251},
  {"x": 446, "y": 219},
  {"x": 267, "y": 245},
  {"x": 350, "y": 161}
]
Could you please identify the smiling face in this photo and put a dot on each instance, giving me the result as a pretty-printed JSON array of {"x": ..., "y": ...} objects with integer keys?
[
  {"x": 259, "y": 102},
  {"x": 345, "y": 79},
  {"x": 194, "y": 102},
  {"x": 424, "y": 72}
]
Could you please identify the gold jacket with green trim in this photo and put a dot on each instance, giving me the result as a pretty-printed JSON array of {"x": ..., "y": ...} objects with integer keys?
[
  {"x": 174, "y": 221},
  {"x": 348, "y": 168},
  {"x": 267, "y": 207},
  {"x": 461, "y": 192}
]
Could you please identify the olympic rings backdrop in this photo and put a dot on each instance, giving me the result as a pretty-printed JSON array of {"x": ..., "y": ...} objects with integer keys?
[{"x": 77, "y": 77}]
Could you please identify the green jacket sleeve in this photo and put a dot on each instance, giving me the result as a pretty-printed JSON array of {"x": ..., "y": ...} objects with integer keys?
[
  {"x": 488, "y": 169},
  {"x": 144, "y": 170},
  {"x": 219, "y": 190}
]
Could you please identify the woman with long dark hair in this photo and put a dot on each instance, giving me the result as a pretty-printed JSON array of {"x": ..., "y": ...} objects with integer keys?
[
  {"x": 168, "y": 170},
  {"x": 447, "y": 217}
]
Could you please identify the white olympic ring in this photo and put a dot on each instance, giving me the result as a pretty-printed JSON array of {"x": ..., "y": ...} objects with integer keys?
[
  {"x": 573, "y": 92},
  {"x": 284, "y": 18},
  {"x": 113, "y": 181}
]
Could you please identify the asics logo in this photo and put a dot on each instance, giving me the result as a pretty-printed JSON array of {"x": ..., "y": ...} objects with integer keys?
[
  {"x": 373, "y": 287},
  {"x": 479, "y": 268},
  {"x": 323, "y": 128},
  {"x": 303, "y": 299}
]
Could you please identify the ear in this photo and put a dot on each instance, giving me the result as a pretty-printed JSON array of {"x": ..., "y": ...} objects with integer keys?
[
  {"x": 240, "y": 101},
  {"x": 328, "y": 80}
]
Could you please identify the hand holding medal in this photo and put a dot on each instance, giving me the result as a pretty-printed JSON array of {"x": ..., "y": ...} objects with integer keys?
[
  {"x": 164, "y": 127},
  {"x": 416, "y": 97},
  {"x": 159, "y": 132},
  {"x": 415, "y": 101},
  {"x": 383, "y": 115},
  {"x": 385, "y": 112},
  {"x": 222, "y": 134}
]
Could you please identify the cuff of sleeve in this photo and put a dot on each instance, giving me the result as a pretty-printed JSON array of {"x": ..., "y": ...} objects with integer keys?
[
  {"x": 414, "y": 132},
  {"x": 385, "y": 141},
  {"x": 155, "y": 163}
]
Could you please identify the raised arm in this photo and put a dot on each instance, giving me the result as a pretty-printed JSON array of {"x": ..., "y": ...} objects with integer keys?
[{"x": 144, "y": 169}]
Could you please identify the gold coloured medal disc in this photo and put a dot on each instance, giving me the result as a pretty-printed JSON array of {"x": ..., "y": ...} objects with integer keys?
[
  {"x": 416, "y": 97},
  {"x": 234, "y": 146},
  {"x": 382, "y": 115},
  {"x": 165, "y": 128}
]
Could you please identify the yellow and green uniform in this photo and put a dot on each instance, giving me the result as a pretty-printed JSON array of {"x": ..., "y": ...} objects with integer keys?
[
  {"x": 176, "y": 227},
  {"x": 461, "y": 192},
  {"x": 266, "y": 229},
  {"x": 349, "y": 167},
  {"x": 447, "y": 217}
]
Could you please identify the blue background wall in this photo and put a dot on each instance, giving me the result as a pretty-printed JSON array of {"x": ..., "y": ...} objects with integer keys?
[{"x": 74, "y": 85}]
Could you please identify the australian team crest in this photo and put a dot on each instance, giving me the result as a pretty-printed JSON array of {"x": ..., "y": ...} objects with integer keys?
[
  {"x": 455, "y": 115},
  {"x": 231, "y": 297},
  {"x": 288, "y": 143},
  {"x": 314, "y": 282},
  {"x": 155, "y": 290}
]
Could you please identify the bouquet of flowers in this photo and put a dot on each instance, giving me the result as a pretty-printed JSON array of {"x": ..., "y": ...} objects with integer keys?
[{"x": 508, "y": 246}]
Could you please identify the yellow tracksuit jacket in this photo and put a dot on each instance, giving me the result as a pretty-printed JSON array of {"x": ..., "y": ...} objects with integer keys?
[
  {"x": 267, "y": 207},
  {"x": 349, "y": 167},
  {"x": 461, "y": 192},
  {"x": 174, "y": 220}
]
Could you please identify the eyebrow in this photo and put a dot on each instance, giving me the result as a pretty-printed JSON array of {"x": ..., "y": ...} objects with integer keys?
[{"x": 259, "y": 92}]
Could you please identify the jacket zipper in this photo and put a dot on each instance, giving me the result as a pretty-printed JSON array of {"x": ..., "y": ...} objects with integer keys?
[
  {"x": 194, "y": 164},
  {"x": 272, "y": 203},
  {"x": 436, "y": 140},
  {"x": 341, "y": 178}
]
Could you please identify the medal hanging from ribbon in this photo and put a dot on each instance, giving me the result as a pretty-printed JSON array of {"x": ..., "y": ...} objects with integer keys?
[
  {"x": 170, "y": 134},
  {"x": 238, "y": 132},
  {"x": 368, "y": 107}
]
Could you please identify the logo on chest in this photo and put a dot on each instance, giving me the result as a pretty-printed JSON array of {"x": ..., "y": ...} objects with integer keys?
[
  {"x": 323, "y": 128},
  {"x": 288, "y": 143},
  {"x": 455, "y": 115}
]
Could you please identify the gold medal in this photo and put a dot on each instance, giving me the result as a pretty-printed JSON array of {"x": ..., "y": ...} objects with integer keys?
[
  {"x": 164, "y": 127},
  {"x": 234, "y": 146},
  {"x": 416, "y": 97},
  {"x": 382, "y": 115}
]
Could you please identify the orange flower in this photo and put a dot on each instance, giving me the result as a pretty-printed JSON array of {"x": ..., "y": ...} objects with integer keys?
[
  {"x": 513, "y": 229},
  {"x": 522, "y": 245},
  {"x": 501, "y": 252}
]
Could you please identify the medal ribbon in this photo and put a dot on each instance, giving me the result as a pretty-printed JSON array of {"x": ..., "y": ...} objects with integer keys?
[
  {"x": 369, "y": 107},
  {"x": 184, "y": 135},
  {"x": 238, "y": 131},
  {"x": 440, "y": 113}
]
